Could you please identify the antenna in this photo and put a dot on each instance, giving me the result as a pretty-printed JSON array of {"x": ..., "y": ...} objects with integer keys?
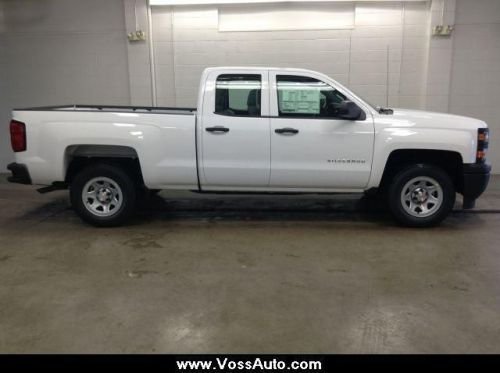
[{"x": 387, "y": 79}]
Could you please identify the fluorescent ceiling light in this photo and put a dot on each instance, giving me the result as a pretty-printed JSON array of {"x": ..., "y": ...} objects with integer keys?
[{"x": 205, "y": 2}]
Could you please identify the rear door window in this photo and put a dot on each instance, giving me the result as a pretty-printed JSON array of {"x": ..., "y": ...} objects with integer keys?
[{"x": 238, "y": 95}]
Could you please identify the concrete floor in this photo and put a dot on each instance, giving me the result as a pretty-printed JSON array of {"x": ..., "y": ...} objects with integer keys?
[{"x": 247, "y": 274}]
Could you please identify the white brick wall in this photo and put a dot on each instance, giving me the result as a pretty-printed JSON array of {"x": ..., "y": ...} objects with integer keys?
[
  {"x": 138, "y": 56},
  {"x": 475, "y": 73},
  {"x": 60, "y": 51},
  {"x": 354, "y": 57}
]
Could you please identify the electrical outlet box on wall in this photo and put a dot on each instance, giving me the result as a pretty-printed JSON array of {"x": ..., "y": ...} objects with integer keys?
[
  {"x": 441, "y": 30},
  {"x": 138, "y": 35}
]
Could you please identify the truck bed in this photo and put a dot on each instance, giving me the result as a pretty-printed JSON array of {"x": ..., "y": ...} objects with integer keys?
[
  {"x": 115, "y": 108},
  {"x": 164, "y": 139}
]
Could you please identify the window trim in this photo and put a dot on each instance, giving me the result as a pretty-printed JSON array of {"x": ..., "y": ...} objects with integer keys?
[
  {"x": 241, "y": 116},
  {"x": 362, "y": 118}
]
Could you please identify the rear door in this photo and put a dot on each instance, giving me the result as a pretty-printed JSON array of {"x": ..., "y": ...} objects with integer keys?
[{"x": 235, "y": 138}]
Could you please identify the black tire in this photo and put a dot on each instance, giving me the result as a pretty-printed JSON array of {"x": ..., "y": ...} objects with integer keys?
[
  {"x": 126, "y": 186},
  {"x": 399, "y": 211}
]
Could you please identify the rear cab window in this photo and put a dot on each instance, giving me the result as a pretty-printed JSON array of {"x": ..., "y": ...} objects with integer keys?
[{"x": 238, "y": 95}]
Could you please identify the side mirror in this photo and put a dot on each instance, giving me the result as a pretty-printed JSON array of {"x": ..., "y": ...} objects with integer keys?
[{"x": 349, "y": 110}]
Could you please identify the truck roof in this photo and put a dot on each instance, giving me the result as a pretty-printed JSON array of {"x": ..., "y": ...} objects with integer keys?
[{"x": 264, "y": 68}]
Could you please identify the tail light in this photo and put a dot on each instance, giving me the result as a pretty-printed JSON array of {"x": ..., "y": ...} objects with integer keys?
[
  {"x": 483, "y": 138},
  {"x": 18, "y": 136}
]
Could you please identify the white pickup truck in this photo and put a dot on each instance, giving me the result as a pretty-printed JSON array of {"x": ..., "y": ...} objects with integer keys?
[{"x": 255, "y": 130}]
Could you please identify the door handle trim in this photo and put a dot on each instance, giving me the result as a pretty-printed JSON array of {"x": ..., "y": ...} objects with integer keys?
[
  {"x": 286, "y": 131},
  {"x": 217, "y": 129}
]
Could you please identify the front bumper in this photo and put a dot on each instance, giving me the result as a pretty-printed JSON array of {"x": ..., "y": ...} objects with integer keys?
[
  {"x": 20, "y": 174},
  {"x": 475, "y": 181}
]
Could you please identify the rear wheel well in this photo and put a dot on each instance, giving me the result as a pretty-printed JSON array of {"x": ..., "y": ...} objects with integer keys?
[
  {"x": 79, "y": 156},
  {"x": 130, "y": 165},
  {"x": 451, "y": 162}
]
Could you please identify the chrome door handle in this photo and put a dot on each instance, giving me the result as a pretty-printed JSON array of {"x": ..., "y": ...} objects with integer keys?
[
  {"x": 286, "y": 131},
  {"x": 217, "y": 129}
]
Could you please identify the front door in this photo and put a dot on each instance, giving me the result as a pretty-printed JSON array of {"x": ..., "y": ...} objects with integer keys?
[{"x": 310, "y": 146}]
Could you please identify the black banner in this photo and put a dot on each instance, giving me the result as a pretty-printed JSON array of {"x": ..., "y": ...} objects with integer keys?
[{"x": 252, "y": 363}]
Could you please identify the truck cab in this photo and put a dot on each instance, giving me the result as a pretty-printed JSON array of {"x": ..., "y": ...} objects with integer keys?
[{"x": 282, "y": 130}]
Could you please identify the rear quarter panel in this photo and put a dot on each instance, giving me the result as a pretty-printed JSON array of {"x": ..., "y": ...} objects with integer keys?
[{"x": 165, "y": 143}]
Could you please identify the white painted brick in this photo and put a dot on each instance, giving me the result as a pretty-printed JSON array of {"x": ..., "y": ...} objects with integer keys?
[
  {"x": 328, "y": 68},
  {"x": 163, "y": 53},
  {"x": 69, "y": 16},
  {"x": 475, "y": 77},
  {"x": 410, "y": 65},
  {"x": 417, "y": 56},
  {"x": 437, "y": 103},
  {"x": 162, "y": 32},
  {"x": 410, "y": 102},
  {"x": 378, "y": 14},
  {"x": 414, "y": 42},
  {"x": 186, "y": 91},
  {"x": 380, "y": 8},
  {"x": 376, "y": 100},
  {"x": 441, "y": 43},
  {"x": 357, "y": 68},
  {"x": 197, "y": 11},
  {"x": 437, "y": 5},
  {"x": 366, "y": 19},
  {"x": 76, "y": 54},
  {"x": 374, "y": 89},
  {"x": 341, "y": 78},
  {"x": 186, "y": 101},
  {"x": 374, "y": 55},
  {"x": 376, "y": 31},
  {"x": 416, "y": 30},
  {"x": 168, "y": 102},
  {"x": 415, "y": 13},
  {"x": 438, "y": 88},
  {"x": 373, "y": 78},
  {"x": 366, "y": 44},
  {"x": 161, "y": 15},
  {"x": 450, "y": 5},
  {"x": 477, "y": 12},
  {"x": 411, "y": 83},
  {"x": 201, "y": 46},
  {"x": 138, "y": 59},
  {"x": 194, "y": 23}
]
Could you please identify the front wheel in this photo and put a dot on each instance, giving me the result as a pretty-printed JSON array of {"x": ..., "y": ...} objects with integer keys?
[
  {"x": 421, "y": 196},
  {"x": 103, "y": 195}
]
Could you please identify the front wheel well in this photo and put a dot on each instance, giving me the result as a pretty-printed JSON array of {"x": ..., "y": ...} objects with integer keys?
[{"x": 451, "y": 162}]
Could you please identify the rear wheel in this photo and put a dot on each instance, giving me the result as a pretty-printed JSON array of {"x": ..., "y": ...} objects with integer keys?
[
  {"x": 421, "y": 196},
  {"x": 103, "y": 195}
]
